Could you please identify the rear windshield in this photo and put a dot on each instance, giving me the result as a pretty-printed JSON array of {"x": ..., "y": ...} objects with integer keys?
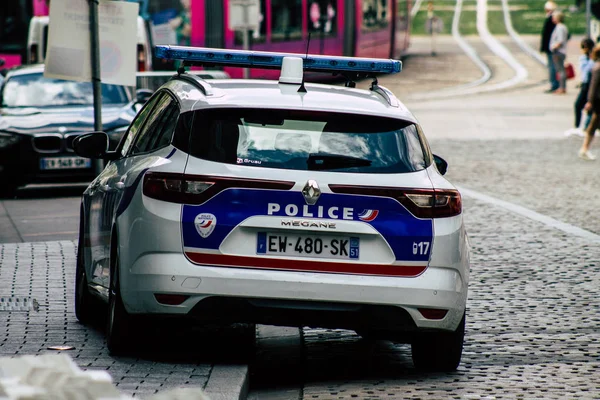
[{"x": 307, "y": 140}]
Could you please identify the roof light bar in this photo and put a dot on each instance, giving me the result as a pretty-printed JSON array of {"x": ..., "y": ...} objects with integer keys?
[{"x": 272, "y": 60}]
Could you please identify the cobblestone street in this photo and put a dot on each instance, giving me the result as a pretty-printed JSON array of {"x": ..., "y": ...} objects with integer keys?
[
  {"x": 532, "y": 330},
  {"x": 46, "y": 272}
]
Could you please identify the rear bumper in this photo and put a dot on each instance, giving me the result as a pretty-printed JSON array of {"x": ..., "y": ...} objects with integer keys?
[{"x": 294, "y": 298}]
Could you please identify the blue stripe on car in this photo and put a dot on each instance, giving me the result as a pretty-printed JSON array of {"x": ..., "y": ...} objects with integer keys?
[{"x": 399, "y": 227}]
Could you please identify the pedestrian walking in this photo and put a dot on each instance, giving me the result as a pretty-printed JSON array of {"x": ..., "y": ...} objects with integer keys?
[
  {"x": 592, "y": 106},
  {"x": 558, "y": 47},
  {"x": 549, "y": 25},
  {"x": 585, "y": 67}
]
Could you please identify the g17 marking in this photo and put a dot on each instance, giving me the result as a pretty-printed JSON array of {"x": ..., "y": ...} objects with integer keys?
[{"x": 421, "y": 248}]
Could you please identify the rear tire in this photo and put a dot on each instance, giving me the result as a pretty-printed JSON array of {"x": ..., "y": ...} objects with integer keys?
[
  {"x": 119, "y": 324},
  {"x": 440, "y": 351},
  {"x": 87, "y": 307},
  {"x": 369, "y": 335},
  {"x": 8, "y": 189}
]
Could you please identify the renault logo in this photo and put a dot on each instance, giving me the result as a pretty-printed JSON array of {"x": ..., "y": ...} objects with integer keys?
[{"x": 311, "y": 192}]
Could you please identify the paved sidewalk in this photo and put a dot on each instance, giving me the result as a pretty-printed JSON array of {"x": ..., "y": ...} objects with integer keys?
[{"x": 45, "y": 271}]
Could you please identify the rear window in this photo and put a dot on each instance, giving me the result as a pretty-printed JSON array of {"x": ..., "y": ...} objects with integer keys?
[{"x": 307, "y": 140}]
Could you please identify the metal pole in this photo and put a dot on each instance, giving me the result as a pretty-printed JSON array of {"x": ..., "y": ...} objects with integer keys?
[
  {"x": 246, "y": 47},
  {"x": 588, "y": 17},
  {"x": 433, "y": 35},
  {"x": 96, "y": 77},
  {"x": 431, "y": 20},
  {"x": 323, "y": 20},
  {"x": 246, "y": 36}
]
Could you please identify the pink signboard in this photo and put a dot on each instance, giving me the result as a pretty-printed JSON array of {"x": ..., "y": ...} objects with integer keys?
[
  {"x": 197, "y": 19},
  {"x": 40, "y": 7},
  {"x": 10, "y": 60}
]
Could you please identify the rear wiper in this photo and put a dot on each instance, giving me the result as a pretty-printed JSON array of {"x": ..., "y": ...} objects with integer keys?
[{"x": 322, "y": 161}]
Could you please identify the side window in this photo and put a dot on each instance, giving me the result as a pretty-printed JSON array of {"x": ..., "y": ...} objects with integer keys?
[
  {"x": 428, "y": 155},
  {"x": 258, "y": 33},
  {"x": 159, "y": 127},
  {"x": 375, "y": 15},
  {"x": 165, "y": 127},
  {"x": 137, "y": 124},
  {"x": 322, "y": 17},
  {"x": 286, "y": 20}
]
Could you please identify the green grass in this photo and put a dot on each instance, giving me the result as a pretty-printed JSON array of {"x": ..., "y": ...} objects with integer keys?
[
  {"x": 418, "y": 24},
  {"x": 496, "y": 23},
  {"x": 530, "y": 21},
  {"x": 527, "y": 17},
  {"x": 468, "y": 23}
]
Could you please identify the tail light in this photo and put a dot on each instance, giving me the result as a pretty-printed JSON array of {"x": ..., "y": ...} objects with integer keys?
[
  {"x": 33, "y": 52},
  {"x": 422, "y": 203},
  {"x": 141, "y": 57},
  {"x": 197, "y": 189},
  {"x": 170, "y": 299},
  {"x": 433, "y": 313}
]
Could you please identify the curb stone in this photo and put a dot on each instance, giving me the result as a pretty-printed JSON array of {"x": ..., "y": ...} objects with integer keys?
[
  {"x": 57, "y": 376},
  {"x": 227, "y": 382}
]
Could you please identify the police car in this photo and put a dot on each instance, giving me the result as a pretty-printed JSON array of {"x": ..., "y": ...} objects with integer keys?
[{"x": 276, "y": 202}]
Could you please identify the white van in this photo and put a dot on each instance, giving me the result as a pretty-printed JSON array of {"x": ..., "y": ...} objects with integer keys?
[{"x": 37, "y": 41}]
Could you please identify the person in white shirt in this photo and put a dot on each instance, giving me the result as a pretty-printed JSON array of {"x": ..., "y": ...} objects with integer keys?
[
  {"x": 558, "y": 47},
  {"x": 549, "y": 25},
  {"x": 585, "y": 67}
]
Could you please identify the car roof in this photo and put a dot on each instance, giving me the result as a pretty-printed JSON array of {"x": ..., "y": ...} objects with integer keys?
[
  {"x": 25, "y": 69},
  {"x": 244, "y": 93}
]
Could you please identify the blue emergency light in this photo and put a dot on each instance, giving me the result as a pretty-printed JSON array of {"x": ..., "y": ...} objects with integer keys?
[{"x": 274, "y": 60}]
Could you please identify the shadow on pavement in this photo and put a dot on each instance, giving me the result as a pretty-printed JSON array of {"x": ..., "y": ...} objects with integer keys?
[
  {"x": 171, "y": 341},
  {"x": 331, "y": 355}
]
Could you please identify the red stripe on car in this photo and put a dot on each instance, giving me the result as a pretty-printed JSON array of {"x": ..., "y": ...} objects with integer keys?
[{"x": 305, "y": 265}]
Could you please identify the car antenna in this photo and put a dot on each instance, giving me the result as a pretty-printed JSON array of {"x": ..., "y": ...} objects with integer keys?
[
  {"x": 302, "y": 88},
  {"x": 375, "y": 83},
  {"x": 181, "y": 69}
]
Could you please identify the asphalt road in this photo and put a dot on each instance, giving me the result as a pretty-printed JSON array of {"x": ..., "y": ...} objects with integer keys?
[{"x": 41, "y": 214}]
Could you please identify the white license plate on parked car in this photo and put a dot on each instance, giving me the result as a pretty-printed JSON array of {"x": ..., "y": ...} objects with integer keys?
[
  {"x": 65, "y": 163},
  {"x": 291, "y": 244}
]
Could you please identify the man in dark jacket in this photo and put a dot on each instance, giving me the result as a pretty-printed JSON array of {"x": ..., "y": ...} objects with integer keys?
[{"x": 549, "y": 25}]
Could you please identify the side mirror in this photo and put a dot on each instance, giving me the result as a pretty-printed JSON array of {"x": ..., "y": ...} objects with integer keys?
[
  {"x": 441, "y": 164},
  {"x": 92, "y": 145},
  {"x": 143, "y": 95}
]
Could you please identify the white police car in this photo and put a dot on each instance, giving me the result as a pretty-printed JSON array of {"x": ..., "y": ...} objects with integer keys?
[{"x": 276, "y": 202}]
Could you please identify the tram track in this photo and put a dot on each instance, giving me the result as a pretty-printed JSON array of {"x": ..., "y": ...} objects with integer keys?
[
  {"x": 515, "y": 55},
  {"x": 517, "y": 38},
  {"x": 499, "y": 49},
  {"x": 415, "y": 8},
  {"x": 471, "y": 52}
]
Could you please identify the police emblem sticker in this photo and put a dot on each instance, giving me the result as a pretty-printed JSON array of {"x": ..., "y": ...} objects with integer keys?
[{"x": 205, "y": 224}]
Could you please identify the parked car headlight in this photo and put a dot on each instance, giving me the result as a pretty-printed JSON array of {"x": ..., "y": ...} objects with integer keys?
[{"x": 8, "y": 139}]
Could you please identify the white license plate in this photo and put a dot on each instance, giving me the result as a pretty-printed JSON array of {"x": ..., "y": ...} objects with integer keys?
[
  {"x": 291, "y": 244},
  {"x": 65, "y": 163}
]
